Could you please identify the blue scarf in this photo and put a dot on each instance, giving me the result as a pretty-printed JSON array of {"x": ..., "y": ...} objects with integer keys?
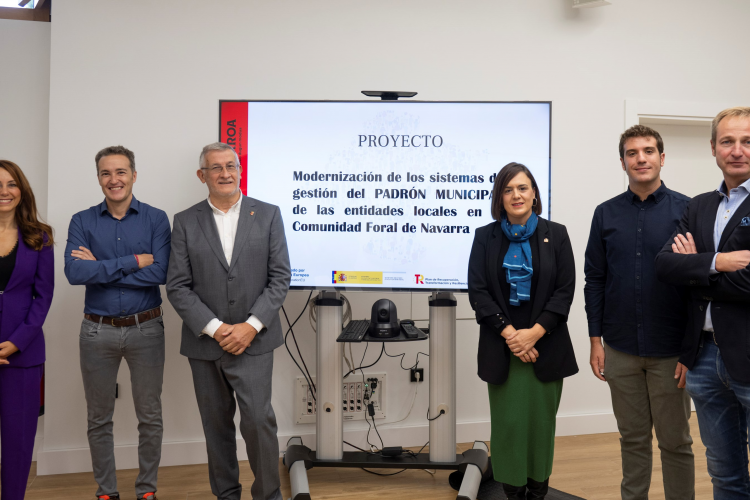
[{"x": 517, "y": 261}]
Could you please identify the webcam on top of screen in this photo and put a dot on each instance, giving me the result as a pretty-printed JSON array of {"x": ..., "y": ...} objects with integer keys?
[{"x": 388, "y": 95}]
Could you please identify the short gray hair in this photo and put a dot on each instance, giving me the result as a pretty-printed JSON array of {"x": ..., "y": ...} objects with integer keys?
[{"x": 216, "y": 146}]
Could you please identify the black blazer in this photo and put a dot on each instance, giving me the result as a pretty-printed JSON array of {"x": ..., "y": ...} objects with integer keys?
[
  {"x": 729, "y": 293},
  {"x": 554, "y": 292}
]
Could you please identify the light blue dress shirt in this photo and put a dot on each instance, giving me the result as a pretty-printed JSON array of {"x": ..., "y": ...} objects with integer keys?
[{"x": 728, "y": 206}]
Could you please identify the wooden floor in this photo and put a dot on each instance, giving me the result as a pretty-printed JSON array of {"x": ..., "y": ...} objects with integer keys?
[{"x": 587, "y": 466}]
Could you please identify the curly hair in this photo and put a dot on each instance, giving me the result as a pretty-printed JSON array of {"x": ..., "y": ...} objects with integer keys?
[{"x": 640, "y": 131}]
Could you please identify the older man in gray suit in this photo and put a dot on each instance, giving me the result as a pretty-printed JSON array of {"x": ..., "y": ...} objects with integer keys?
[{"x": 228, "y": 276}]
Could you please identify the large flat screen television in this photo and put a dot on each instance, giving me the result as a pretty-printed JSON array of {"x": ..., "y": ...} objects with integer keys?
[{"x": 383, "y": 194}]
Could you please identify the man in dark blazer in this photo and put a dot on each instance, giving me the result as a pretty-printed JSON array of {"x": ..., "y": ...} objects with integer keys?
[
  {"x": 228, "y": 277},
  {"x": 709, "y": 255}
]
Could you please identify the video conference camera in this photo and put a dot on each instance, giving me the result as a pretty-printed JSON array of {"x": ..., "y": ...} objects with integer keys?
[{"x": 384, "y": 320}]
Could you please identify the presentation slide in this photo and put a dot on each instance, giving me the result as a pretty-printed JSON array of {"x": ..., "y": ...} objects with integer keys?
[{"x": 383, "y": 194}]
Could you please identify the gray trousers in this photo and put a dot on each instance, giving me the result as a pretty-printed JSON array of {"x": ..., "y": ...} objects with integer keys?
[
  {"x": 645, "y": 396},
  {"x": 102, "y": 349},
  {"x": 248, "y": 379}
]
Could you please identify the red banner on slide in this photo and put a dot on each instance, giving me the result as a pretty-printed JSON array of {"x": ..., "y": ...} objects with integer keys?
[{"x": 233, "y": 132}]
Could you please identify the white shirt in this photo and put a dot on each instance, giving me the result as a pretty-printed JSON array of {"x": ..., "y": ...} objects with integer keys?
[{"x": 226, "y": 224}]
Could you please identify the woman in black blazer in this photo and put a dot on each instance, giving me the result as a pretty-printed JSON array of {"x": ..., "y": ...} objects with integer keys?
[{"x": 521, "y": 285}]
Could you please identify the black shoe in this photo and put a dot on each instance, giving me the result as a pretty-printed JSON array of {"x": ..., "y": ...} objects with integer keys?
[
  {"x": 537, "y": 490},
  {"x": 514, "y": 492}
]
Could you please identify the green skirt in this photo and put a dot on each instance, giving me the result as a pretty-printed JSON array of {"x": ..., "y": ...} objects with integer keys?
[{"x": 523, "y": 412}]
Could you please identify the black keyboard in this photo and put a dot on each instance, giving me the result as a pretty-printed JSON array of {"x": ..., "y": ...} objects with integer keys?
[{"x": 355, "y": 331}]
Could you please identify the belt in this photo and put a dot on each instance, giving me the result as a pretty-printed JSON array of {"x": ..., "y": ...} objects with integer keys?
[
  {"x": 125, "y": 320},
  {"x": 709, "y": 337}
]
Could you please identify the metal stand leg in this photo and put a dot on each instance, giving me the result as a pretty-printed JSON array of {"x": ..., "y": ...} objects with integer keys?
[
  {"x": 472, "y": 476},
  {"x": 295, "y": 454},
  {"x": 329, "y": 422},
  {"x": 442, "y": 377}
]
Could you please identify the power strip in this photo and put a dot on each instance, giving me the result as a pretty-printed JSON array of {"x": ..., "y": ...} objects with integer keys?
[{"x": 354, "y": 396}]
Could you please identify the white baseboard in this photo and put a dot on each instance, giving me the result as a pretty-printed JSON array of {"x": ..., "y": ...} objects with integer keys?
[
  {"x": 38, "y": 438},
  {"x": 592, "y": 423},
  {"x": 68, "y": 461}
]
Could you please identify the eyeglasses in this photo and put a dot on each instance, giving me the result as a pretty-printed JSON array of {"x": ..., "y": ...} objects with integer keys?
[{"x": 218, "y": 169}]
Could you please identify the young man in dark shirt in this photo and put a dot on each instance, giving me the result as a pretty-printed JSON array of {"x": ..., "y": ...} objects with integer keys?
[{"x": 641, "y": 320}]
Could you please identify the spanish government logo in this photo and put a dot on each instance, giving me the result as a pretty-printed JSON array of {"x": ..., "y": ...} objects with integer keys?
[{"x": 358, "y": 277}]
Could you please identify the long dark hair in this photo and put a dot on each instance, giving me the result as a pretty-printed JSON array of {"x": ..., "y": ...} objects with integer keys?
[
  {"x": 503, "y": 178},
  {"x": 36, "y": 234}
]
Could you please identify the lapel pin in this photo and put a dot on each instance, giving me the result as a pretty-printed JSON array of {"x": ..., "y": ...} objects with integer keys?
[
  {"x": 252, "y": 213},
  {"x": 546, "y": 240}
]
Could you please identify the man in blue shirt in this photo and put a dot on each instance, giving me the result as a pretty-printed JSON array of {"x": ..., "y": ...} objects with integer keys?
[
  {"x": 641, "y": 320},
  {"x": 120, "y": 250},
  {"x": 709, "y": 255}
]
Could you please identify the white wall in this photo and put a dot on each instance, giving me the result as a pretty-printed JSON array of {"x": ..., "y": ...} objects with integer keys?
[
  {"x": 689, "y": 166},
  {"x": 24, "y": 109},
  {"x": 149, "y": 75},
  {"x": 24, "y": 101}
]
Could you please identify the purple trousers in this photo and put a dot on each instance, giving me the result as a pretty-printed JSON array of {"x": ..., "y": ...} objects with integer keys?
[{"x": 19, "y": 413}]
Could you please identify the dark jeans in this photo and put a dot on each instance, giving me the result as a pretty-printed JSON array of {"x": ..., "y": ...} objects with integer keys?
[{"x": 722, "y": 405}]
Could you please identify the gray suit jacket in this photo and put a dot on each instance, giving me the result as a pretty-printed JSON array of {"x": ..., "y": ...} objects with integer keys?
[{"x": 202, "y": 285}]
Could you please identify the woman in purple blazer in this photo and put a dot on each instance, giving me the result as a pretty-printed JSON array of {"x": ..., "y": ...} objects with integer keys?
[{"x": 26, "y": 283}]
